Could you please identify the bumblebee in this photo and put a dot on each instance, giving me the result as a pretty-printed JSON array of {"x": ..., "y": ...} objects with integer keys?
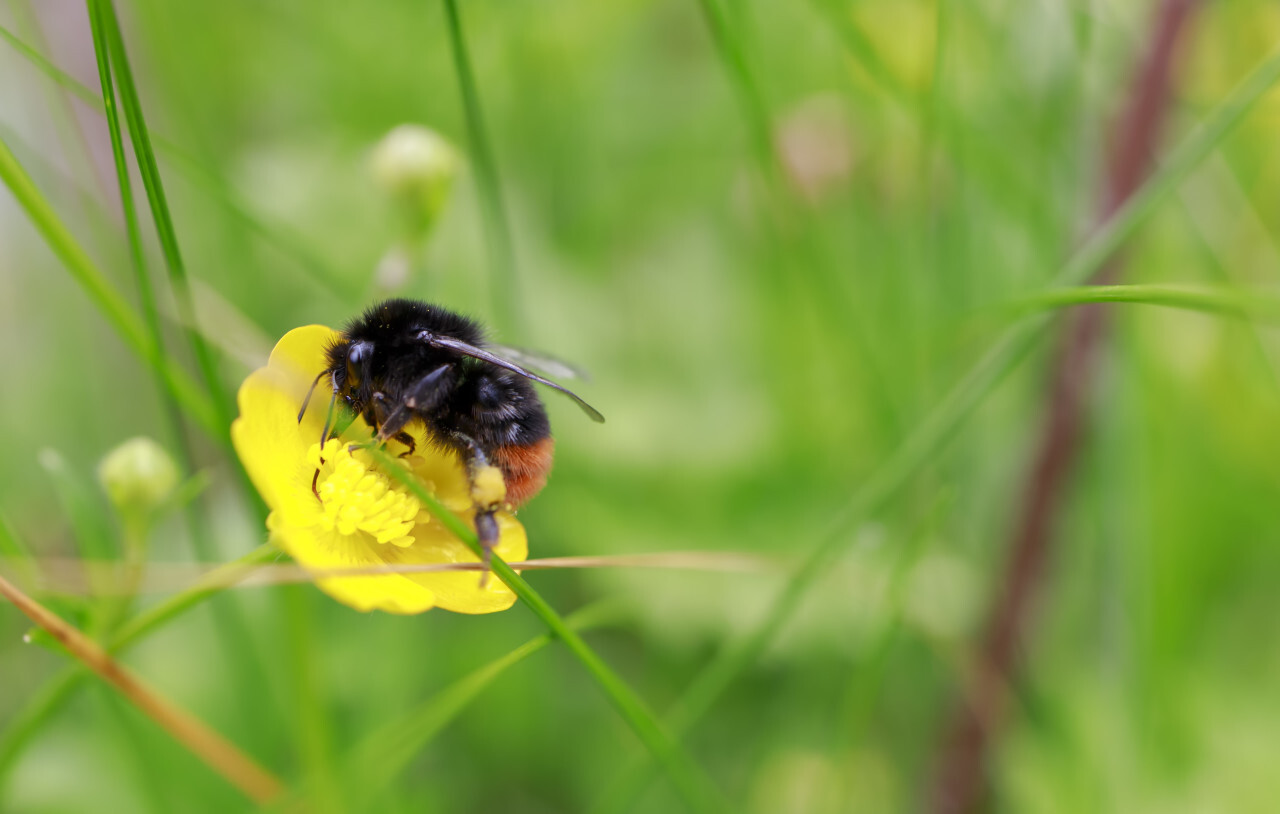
[{"x": 406, "y": 361}]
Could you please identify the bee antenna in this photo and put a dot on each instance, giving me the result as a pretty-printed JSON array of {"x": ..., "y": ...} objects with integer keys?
[
  {"x": 486, "y": 356},
  {"x": 328, "y": 419},
  {"x": 310, "y": 392}
]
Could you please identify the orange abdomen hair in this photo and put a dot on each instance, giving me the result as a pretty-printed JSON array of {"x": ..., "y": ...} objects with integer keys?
[{"x": 525, "y": 469}]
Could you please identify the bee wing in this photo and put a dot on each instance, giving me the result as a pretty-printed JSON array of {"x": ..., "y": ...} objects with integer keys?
[
  {"x": 494, "y": 359},
  {"x": 540, "y": 361}
]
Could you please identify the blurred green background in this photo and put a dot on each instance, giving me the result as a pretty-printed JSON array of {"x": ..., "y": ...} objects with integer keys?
[{"x": 771, "y": 284}]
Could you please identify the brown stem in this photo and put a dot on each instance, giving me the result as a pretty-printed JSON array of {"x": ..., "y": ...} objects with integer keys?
[
  {"x": 960, "y": 782},
  {"x": 221, "y": 756}
]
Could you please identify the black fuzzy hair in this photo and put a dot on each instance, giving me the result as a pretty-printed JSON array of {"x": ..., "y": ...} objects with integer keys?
[{"x": 401, "y": 316}]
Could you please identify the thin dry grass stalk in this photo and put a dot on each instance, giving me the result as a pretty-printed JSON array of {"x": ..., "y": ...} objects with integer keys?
[
  {"x": 79, "y": 577},
  {"x": 217, "y": 752}
]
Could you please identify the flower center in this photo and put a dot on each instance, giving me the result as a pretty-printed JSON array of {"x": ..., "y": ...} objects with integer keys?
[{"x": 356, "y": 497}]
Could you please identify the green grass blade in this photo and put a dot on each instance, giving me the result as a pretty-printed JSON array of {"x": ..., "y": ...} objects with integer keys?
[
  {"x": 312, "y": 263},
  {"x": 17, "y": 554},
  {"x": 313, "y": 736},
  {"x": 1259, "y": 305},
  {"x": 94, "y": 536},
  {"x": 150, "y": 171},
  {"x": 859, "y": 46},
  {"x": 11, "y": 547},
  {"x": 31, "y": 718},
  {"x": 137, "y": 256},
  {"x": 109, "y": 301},
  {"x": 504, "y": 283},
  {"x": 1189, "y": 154},
  {"x": 384, "y": 753},
  {"x": 64, "y": 79},
  {"x": 868, "y": 679},
  {"x": 733, "y": 52},
  {"x": 687, "y": 777},
  {"x": 931, "y": 436}
]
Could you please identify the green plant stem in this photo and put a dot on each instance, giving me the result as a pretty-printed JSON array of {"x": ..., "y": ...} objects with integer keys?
[
  {"x": 57, "y": 691},
  {"x": 504, "y": 284},
  {"x": 109, "y": 301},
  {"x": 930, "y": 437},
  {"x": 697, "y": 790}
]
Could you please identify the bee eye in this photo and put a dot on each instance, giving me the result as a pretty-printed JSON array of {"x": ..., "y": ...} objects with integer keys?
[{"x": 357, "y": 352}]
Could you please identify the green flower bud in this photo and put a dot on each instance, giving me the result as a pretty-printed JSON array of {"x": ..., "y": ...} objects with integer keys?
[
  {"x": 138, "y": 476},
  {"x": 416, "y": 167}
]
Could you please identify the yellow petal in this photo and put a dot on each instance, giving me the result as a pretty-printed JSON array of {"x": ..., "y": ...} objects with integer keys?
[
  {"x": 317, "y": 551},
  {"x": 460, "y": 591},
  {"x": 267, "y": 436}
]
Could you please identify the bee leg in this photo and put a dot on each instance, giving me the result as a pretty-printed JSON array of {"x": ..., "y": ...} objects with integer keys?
[
  {"x": 377, "y": 414},
  {"x": 406, "y": 439},
  {"x": 423, "y": 394},
  {"x": 487, "y": 532},
  {"x": 488, "y": 493}
]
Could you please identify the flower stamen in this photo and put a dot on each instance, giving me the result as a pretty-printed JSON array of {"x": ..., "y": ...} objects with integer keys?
[{"x": 355, "y": 497}]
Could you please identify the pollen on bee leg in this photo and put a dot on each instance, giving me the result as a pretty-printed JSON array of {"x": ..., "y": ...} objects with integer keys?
[{"x": 488, "y": 487}]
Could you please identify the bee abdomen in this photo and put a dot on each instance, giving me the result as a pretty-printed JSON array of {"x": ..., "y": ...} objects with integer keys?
[{"x": 524, "y": 468}]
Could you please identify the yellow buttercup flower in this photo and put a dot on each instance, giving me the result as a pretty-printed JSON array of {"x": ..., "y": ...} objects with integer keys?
[{"x": 363, "y": 517}]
